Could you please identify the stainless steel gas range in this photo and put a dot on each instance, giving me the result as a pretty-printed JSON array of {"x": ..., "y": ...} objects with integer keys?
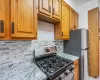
[{"x": 55, "y": 67}]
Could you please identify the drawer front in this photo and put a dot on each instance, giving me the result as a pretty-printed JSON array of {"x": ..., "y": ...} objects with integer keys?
[{"x": 76, "y": 63}]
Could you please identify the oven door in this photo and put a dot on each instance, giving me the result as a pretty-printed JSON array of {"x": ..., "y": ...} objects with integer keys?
[
  {"x": 70, "y": 76},
  {"x": 67, "y": 75}
]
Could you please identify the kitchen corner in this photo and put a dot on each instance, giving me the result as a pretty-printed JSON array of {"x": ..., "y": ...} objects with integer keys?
[
  {"x": 68, "y": 56},
  {"x": 49, "y": 40}
]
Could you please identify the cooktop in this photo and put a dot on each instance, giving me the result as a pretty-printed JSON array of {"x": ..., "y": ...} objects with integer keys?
[{"x": 52, "y": 65}]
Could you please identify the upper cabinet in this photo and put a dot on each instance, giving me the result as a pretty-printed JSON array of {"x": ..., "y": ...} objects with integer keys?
[
  {"x": 69, "y": 21},
  {"x": 65, "y": 23},
  {"x": 3, "y": 17},
  {"x": 22, "y": 22},
  {"x": 19, "y": 18},
  {"x": 73, "y": 19},
  {"x": 56, "y": 9},
  {"x": 49, "y": 10},
  {"x": 45, "y": 7},
  {"x": 76, "y": 20}
]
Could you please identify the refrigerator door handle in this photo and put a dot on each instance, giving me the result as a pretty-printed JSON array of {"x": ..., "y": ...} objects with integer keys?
[{"x": 85, "y": 48}]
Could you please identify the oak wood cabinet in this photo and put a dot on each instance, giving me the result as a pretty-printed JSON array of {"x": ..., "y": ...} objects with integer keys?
[
  {"x": 76, "y": 70},
  {"x": 73, "y": 19},
  {"x": 76, "y": 20},
  {"x": 17, "y": 20},
  {"x": 3, "y": 17},
  {"x": 76, "y": 73},
  {"x": 49, "y": 10},
  {"x": 69, "y": 21},
  {"x": 56, "y": 7},
  {"x": 45, "y": 7},
  {"x": 65, "y": 23},
  {"x": 22, "y": 21}
]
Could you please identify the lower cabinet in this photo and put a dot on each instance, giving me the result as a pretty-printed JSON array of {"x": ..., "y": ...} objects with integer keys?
[
  {"x": 76, "y": 73},
  {"x": 76, "y": 70}
]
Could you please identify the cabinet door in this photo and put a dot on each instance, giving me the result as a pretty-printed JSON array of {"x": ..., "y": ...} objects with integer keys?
[
  {"x": 3, "y": 18},
  {"x": 72, "y": 19},
  {"x": 76, "y": 21},
  {"x": 45, "y": 7},
  {"x": 65, "y": 21},
  {"x": 76, "y": 73},
  {"x": 22, "y": 18},
  {"x": 56, "y": 9},
  {"x": 93, "y": 27}
]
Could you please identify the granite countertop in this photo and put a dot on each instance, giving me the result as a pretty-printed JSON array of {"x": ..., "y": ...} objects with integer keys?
[
  {"x": 26, "y": 70},
  {"x": 68, "y": 56},
  {"x": 21, "y": 71}
]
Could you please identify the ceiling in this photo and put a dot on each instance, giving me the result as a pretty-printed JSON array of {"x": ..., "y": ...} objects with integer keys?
[{"x": 80, "y": 2}]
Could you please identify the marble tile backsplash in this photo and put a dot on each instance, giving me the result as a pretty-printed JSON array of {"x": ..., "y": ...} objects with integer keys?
[
  {"x": 16, "y": 51},
  {"x": 14, "y": 54}
]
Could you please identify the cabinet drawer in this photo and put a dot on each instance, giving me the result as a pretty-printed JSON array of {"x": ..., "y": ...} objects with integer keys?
[
  {"x": 76, "y": 73},
  {"x": 76, "y": 63}
]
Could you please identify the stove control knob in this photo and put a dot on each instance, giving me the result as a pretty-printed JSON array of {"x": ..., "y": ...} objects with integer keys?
[
  {"x": 66, "y": 73},
  {"x": 59, "y": 78},
  {"x": 71, "y": 69}
]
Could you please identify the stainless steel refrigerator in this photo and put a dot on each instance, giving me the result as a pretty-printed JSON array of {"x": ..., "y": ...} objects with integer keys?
[{"x": 78, "y": 46}]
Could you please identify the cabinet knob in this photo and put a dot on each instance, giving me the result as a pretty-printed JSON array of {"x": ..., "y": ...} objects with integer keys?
[
  {"x": 71, "y": 69},
  {"x": 59, "y": 78},
  {"x": 2, "y": 26},
  {"x": 49, "y": 9},
  {"x": 12, "y": 27},
  {"x": 36, "y": 33},
  {"x": 53, "y": 11},
  {"x": 74, "y": 26},
  {"x": 62, "y": 34},
  {"x": 66, "y": 73}
]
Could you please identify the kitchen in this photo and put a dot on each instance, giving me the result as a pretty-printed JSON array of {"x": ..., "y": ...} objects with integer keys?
[{"x": 16, "y": 57}]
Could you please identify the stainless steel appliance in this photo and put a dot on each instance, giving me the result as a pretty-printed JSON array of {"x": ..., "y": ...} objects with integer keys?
[
  {"x": 78, "y": 46},
  {"x": 55, "y": 67}
]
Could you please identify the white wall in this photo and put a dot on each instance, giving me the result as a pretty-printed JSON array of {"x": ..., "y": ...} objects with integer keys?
[
  {"x": 83, "y": 12},
  {"x": 71, "y": 3},
  {"x": 45, "y": 31}
]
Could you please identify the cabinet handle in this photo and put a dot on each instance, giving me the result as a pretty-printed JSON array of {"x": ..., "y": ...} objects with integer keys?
[
  {"x": 2, "y": 26},
  {"x": 36, "y": 34},
  {"x": 49, "y": 9},
  {"x": 74, "y": 26},
  {"x": 62, "y": 33},
  {"x": 53, "y": 11},
  {"x": 12, "y": 27}
]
